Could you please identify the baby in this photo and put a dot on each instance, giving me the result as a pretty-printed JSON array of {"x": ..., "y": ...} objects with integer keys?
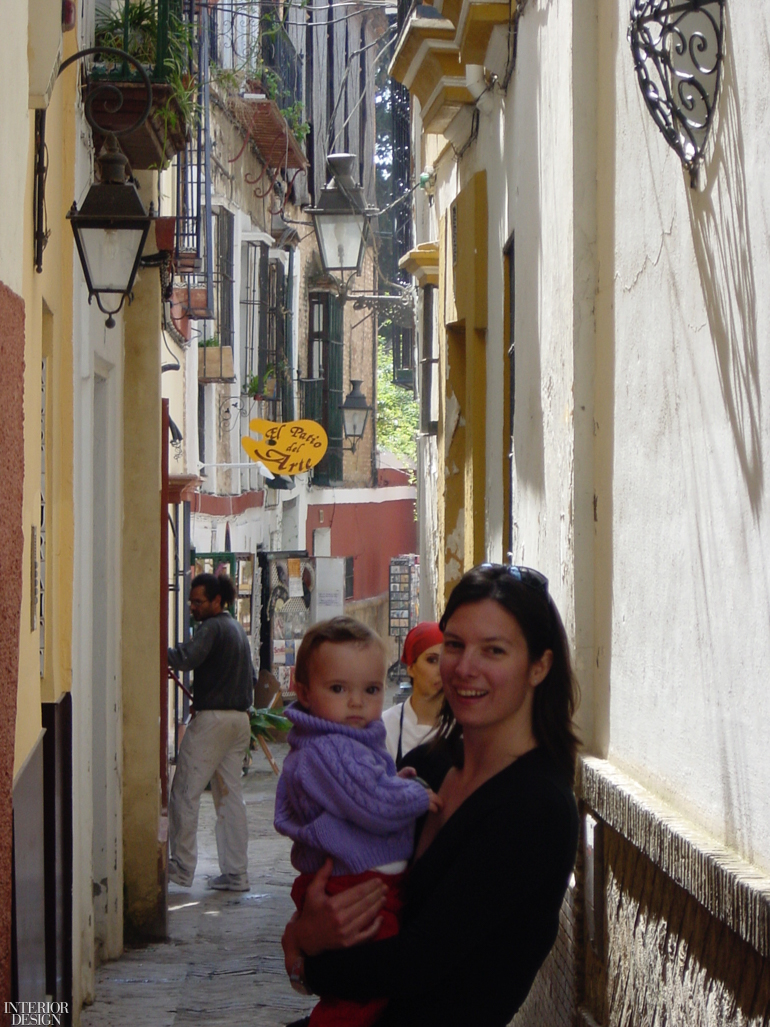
[{"x": 339, "y": 795}]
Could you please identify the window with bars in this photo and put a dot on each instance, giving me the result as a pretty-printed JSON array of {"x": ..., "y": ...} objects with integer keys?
[
  {"x": 224, "y": 275},
  {"x": 429, "y": 366},
  {"x": 216, "y": 356},
  {"x": 402, "y": 334},
  {"x": 349, "y": 579},
  {"x": 322, "y": 389},
  {"x": 266, "y": 332}
]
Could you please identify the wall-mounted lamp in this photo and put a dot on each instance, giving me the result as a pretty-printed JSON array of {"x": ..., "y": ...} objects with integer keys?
[
  {"x": 355, "y": 413},
  {"x": 341, "y": 221},
  {"x": 111, "y": 227},
  {"x": 110, "y": 230},
  {"x": 677, "y": 48}
]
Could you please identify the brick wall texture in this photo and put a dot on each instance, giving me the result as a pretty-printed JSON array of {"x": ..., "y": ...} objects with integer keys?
[
  {"x": 661, "y": 958},
  {"x": 666, "y": 960}
]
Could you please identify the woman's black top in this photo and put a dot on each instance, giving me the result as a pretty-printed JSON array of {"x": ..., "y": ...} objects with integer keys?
[{"x": 481, "y": 909}]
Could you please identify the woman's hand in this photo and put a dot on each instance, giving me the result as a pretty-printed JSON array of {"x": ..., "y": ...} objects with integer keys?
[
  {"x": 436, "y": 802},
  {"x": 334, "y": 922},
  {"x": 291, "y": 950}
]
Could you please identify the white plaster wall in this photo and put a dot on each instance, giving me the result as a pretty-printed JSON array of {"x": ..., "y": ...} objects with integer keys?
[
  {"x": 96, "y": 645},
  {"x": 536, "y": 156},
  {"x": 14, "y": 128},
  {"x": 690, "y": 603}
]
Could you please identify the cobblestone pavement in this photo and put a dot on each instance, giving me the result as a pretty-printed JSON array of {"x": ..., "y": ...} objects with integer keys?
[{"x": 222, "y": 964}]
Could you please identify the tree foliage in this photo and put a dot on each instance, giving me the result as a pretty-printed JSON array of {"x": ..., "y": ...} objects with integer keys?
[{"x": 397, "y": 409}]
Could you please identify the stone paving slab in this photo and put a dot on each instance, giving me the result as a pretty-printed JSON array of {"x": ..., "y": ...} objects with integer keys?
[{"x": 222, "y": 964}]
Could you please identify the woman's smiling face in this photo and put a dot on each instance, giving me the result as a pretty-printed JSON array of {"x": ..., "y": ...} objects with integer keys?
[{"x": 488, "y": 677}]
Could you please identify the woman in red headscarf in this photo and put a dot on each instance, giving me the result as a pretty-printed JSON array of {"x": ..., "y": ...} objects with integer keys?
[{"x": 415, "y": 721}]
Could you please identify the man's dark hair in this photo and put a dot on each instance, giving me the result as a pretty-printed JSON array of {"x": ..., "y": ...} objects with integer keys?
[{"x": 215, "y": 585}]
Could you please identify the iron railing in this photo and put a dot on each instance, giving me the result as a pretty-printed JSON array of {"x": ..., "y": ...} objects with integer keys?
[
  {"x": 281, "y": 62},
  {"x": 164, "y": 35}
]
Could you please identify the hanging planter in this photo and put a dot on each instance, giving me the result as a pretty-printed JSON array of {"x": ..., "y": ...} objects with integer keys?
[
  {"x": 162, "y": 43},
  {"x": 162, "y": 135}
]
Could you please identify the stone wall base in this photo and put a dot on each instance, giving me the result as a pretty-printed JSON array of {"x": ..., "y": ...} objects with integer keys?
[{"x": 663, "y": 927}]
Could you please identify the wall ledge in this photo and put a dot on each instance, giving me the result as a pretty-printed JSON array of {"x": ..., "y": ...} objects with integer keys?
[{"x": 728, "y": 886}]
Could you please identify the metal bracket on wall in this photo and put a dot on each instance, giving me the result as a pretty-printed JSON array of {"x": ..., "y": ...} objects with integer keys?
[
  {"x": 678, "y": 54},
  {"x": 105, "y": 89},
  {"x": 229, "y": 407}
]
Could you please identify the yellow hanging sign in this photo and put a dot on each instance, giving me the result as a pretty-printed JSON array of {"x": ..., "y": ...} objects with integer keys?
[{"x": 288, "y": 447}]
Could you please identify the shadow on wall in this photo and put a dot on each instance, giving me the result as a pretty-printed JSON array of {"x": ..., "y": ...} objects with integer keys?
[
  {"x": 522, "y": 150},
  {"x": 722, "y": 240}
]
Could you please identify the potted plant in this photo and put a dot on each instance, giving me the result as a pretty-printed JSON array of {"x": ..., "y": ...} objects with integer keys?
[
  {"x": 135, "y": 28},
  {"x": 265, "y": 386}
]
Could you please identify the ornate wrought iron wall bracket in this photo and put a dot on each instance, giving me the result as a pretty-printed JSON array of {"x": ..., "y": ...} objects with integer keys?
[
  {"x": 106, "y": 90},
  {"x": 678, "y": 54}
]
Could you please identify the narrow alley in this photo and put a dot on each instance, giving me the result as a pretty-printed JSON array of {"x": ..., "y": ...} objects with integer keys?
[{"x": 222, "y": 963}]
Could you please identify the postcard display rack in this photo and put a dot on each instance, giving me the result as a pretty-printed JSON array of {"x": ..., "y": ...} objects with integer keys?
[
  {"x": 287, "y": 592},
  {"x": 404, "y": 596}
]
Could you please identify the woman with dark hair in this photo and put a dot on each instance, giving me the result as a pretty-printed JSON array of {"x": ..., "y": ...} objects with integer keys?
[{"x": 482, "y": 900}]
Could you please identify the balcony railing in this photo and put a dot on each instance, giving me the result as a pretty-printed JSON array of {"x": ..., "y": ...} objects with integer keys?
[
  {"x": 158, "y": 35},
  {"x": 281, "y": 63}
]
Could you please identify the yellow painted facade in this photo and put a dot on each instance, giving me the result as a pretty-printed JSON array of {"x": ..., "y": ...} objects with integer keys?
[
  {"x": 462, "y": 281},
  {"x": 144, "y": 835},
  {"x": 48, "y": 333}
]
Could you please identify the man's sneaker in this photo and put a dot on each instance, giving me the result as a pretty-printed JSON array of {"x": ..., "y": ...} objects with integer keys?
[
  {"x": 178, "y": 876},
  {"x": 229, "y": 882}
]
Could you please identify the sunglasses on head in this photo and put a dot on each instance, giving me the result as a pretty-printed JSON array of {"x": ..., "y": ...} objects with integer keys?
[{"x": 526, "y": 575}]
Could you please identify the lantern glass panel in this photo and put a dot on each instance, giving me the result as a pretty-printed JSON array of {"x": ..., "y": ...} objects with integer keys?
[
  {"x": 342, "y": 240},
  {"x": 110, "y": 255},
  {"x": 355, "y": 422}
]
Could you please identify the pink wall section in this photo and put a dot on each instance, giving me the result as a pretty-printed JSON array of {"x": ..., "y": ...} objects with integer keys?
[
  {"x": 11, "y": 543},
  {"x": 369, "y": 532}
]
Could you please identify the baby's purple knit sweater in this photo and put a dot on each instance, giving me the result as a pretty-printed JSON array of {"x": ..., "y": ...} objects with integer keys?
[{"x": 339, "y": 796}]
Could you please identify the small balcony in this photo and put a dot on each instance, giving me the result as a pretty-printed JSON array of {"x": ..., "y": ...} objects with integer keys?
[
  {"x": 263, "y": 92},
  {"x": 427, "y": 61},
  {"x": 267, "y": 126},
  {"x": 215, "y": 364},
  {"x": 475, "y": 21},
  {"x": 435, "y": 47},
  {"x": 164, "y": 43}
]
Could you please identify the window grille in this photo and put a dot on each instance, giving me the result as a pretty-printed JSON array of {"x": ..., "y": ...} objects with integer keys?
[
  {"x": 250, "y": 313},
  {"x": 349, "y": 581},
  {"x": 325, "y": 352},
  {"x": 429, "y": 365},
  {"x": 193, "y": 204},
  {"x": 224, "y": 276}
]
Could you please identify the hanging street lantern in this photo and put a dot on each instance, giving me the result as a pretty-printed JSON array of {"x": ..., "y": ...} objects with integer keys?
[
  {"x": 355, "y": 412},
  {"x": 341, "y": 219},
  {"x": 110, "y": 231}
]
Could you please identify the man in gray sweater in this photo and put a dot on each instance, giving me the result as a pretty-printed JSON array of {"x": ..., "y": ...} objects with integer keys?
[{"x": 216, "y": 738}]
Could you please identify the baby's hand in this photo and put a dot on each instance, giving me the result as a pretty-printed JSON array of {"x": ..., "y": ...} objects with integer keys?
[
  {"x": 436, "y": 802},
  {"x": 407, "y": 772}
]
